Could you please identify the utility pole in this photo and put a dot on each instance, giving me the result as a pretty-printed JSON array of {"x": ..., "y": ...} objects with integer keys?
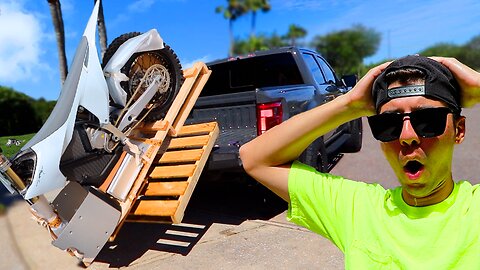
[{"x": 389, "y": 55}]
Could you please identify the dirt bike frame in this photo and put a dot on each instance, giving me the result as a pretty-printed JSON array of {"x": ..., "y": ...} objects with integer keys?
[
  {"x": 83, "y": 219},
  {"x": 85, "y": 88}
]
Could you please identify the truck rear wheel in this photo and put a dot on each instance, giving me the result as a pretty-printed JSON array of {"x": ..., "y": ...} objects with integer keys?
[
  {"x": 354, "y": 143},
  {"x": 316, "y": 156}
]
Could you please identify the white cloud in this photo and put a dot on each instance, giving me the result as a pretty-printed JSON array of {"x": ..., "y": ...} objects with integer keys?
[
  {"x": 140, "y": 5},
  {"x": 186, "y": 63},
  {"x": 19, "y": 43},
  {"x": 308, "y": 4},
  {"x": 407, "y": 27}
]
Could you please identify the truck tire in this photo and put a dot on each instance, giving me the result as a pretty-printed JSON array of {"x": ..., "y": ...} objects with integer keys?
[
  {"x": 139, "y": 63},
  {"x": 316, "y": 155},
  {"x": 354, "y": 143}
]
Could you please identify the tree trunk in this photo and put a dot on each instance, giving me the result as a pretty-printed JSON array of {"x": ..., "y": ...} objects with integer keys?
[
  {"x": 253, "y": 24},
  {"x": 57, "y": 19},
  {"x": 232, "y": 40},
  {"x": 102, "y": 31}
]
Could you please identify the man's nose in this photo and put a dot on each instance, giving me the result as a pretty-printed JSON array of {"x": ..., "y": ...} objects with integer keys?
[{"x": 408, "y": 136}]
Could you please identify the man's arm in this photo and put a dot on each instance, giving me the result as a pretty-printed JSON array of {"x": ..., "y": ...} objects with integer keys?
[{"x": 268, "y": 157}]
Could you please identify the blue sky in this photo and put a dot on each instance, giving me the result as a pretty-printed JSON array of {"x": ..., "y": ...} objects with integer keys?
[{"x": 28, "y": 53}]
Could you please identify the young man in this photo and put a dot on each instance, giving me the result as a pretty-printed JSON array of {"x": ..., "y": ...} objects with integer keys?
[{"x": 429, "y": 221}]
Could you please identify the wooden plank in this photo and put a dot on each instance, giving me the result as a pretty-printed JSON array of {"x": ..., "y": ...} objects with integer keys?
[
  {"x": 155, "y": 208},
  {"x": 192, "y": 181},
  {"x": 197, "y": 129},
  {"x": 192, "y": 97},
  {"x": 183, "y": 189},
  {"x": 189, "y": 142},
  {"x": 175, "y": 171},
  {"x": 112, "y": 173},
  {"x": 154, "y": 126},
  {"x": 147, "y": 141},
  {"x": 139, "y": 183},
  {"x": 188, "y": 155},
  {"x": 193, "y": 79},
  {"x": 189, "y": 72},
  {"x": 176, "y": 188},
  {"x": 182, "y": 94}
]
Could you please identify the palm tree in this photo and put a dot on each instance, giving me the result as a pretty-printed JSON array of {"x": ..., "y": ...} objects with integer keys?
[
  {"x": 233, "y": 10},
  {"x": 254, "y": 6},
  {"x": 295, "y": 32},
  {"x": 57, "y": 19},
  {"x": 102, "y": 31},
  {"x": 56, "y": 12}
]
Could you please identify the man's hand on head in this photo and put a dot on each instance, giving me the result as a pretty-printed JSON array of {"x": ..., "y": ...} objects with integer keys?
[
  {"x": 361, "y": 95},
  {"x": 468, "y": 79}
]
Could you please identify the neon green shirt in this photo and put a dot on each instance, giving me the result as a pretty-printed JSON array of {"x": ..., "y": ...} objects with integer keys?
[{"x": 376, "y": 229}]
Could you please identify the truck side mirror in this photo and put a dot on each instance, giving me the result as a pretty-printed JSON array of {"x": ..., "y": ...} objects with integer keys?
[{"x": 349, "y": 80}]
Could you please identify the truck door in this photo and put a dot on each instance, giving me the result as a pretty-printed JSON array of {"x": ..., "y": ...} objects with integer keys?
[
  {"x": 330, "y": 77},
  {"x": 327, "y": 90}
]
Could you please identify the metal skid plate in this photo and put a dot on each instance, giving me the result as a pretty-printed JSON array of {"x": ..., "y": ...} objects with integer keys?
[{"x": 91, "y": 221}]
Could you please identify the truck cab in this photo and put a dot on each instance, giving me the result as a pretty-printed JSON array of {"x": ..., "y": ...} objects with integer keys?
[{"x": 250, "y": 94}]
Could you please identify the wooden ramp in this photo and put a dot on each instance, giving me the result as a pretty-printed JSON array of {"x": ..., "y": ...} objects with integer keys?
[
  {"x": 175, "y": 173},
  {"x": 173, "y": 161}
]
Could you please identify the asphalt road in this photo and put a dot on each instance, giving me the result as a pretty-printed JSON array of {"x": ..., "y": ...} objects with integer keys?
[{"x": 230, "y": 223}]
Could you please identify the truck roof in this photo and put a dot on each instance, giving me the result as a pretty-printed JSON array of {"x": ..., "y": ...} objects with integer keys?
[{"x": 261, "y": 53}]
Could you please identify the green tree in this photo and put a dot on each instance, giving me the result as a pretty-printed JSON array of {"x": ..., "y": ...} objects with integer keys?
[
  {"x": 258, "y": 43},
  {"x": 43, "y": 108},
  {"x": 17, "y": 113},
  {"x": 469, "y": 53},
  {"x": 472, "y": 53},
  {"x": 275, "y": 41},
  {"x": 231, "y": 12},
  {"x": 443, "y": 49},
  {"x": 346, "y": 49},
  {"x": 295, "y": 32}
]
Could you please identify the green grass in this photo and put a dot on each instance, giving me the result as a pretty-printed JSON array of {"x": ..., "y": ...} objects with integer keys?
[{"x": 10, "y": 151}]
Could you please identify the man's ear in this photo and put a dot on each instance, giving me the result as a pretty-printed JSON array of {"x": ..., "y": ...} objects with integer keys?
[{"x": 460, "y": 130}]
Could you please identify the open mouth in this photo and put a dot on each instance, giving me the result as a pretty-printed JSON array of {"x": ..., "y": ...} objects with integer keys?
[{"x": 413, "y": 168}]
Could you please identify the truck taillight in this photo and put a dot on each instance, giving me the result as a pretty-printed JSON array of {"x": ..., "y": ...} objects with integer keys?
[{"x": 268, "y": 116}]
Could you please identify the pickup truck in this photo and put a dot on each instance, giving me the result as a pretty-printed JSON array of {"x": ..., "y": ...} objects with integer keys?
[{"x": 248, "y": 95}]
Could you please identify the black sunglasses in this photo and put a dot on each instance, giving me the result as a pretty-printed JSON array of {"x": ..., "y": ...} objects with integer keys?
[{"x": 427, "y": 123}]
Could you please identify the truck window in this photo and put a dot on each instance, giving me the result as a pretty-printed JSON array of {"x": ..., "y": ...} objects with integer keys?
[
  {"x": 329, "y": 75},
  {"x": 314, "y": 68},
  {"x": 254, "y": 72}
]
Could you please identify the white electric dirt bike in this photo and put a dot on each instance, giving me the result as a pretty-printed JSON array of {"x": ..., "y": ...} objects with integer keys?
[{"x": 87, "y": 131}]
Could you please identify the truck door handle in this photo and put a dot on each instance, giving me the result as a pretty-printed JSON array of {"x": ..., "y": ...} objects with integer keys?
[{"x": 329, "y": 97}]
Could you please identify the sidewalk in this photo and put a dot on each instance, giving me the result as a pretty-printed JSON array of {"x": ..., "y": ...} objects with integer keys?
[{"x": 251, "y": 244}]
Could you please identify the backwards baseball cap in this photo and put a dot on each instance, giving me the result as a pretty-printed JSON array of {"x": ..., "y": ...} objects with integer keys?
[{"x": 439, "y": 84}]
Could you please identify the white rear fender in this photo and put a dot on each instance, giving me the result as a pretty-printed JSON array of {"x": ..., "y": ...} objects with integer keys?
[{"x": 148, "y": 41}]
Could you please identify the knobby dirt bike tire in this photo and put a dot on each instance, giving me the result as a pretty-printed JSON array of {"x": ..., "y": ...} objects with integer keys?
[{"x": 166, "y": 57}]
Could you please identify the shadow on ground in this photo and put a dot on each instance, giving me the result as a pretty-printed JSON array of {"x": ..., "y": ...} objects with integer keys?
[{"x": 228, "y": 198}]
